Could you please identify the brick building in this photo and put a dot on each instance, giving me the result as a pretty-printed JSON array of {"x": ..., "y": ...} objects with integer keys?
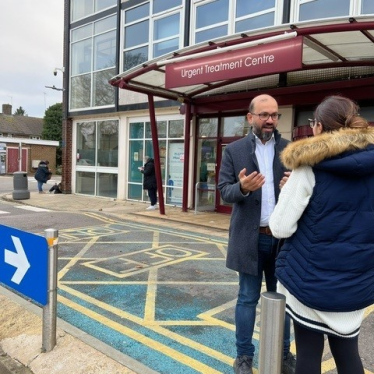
[{"x": 21, "y": 146}]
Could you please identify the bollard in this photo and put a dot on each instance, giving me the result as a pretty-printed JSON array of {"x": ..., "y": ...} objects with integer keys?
[
  {"x": 50, "y": 310},
  {"x": 273, "y": 306}
]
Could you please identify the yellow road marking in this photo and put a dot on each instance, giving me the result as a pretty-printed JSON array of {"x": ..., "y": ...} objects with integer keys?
[
  {"x": 157, "y": 346},
  {"x": 153, "y": 326}
]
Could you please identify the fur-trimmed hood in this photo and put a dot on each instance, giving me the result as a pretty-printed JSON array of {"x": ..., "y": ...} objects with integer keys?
[{"x": 342, "y": 143}]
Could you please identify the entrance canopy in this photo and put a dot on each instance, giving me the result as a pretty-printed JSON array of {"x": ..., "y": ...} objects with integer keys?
[{"x": 309, "y": 57}]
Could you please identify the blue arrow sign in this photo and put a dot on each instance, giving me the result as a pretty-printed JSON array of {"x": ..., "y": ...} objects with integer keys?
[{"x": 24, "y": 263}]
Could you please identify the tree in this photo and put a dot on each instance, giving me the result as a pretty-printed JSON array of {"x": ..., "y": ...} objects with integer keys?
[
  {"x": 52, "y": 128},
  {"x": 20, "y": 112}
]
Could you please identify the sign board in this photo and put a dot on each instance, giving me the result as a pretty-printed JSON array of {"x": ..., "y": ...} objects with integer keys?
[
  {"x": 248, "y": 62},
  {"x": 24, "y": 263}
]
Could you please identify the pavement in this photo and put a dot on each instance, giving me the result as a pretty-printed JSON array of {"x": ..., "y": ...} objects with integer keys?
[{"x": 75, "y": 351}]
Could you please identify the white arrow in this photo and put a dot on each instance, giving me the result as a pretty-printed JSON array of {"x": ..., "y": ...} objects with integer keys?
[{"x": 18, "y": 260}]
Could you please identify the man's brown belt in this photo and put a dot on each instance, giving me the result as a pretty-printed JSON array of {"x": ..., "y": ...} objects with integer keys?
[{"x": 265, "y": 230}]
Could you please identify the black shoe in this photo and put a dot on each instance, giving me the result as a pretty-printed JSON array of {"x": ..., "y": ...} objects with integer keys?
[
  {"x": 289, "y": 364},
  {"x": 243, "y": 365}
]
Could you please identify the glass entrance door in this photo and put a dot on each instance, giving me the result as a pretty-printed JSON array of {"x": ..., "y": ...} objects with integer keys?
[{"x": 221, "y": 206}]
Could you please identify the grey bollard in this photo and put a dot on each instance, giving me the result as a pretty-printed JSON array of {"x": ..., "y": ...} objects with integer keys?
[
  {"x": 50, "y": 310},
  {"x": 273, "y": 306},
  {"x": 20, "y": 186}
]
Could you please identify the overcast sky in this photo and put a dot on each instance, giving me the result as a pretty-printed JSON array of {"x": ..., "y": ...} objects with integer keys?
[{"x": 31, "y": 38}]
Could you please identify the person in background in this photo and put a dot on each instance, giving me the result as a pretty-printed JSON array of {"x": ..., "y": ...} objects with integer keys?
[
  {"x": 249, "y": 179},
  {"x": 325, "y": 267},
  {"x": 149, "y": 181},
  {"x": 56, "y": 188},
  {"x": 42, "y": 174}
]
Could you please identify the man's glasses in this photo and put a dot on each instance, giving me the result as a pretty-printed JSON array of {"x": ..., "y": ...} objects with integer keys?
[
  {"x": 312, "y": 122},
  {"x": 265, "y": 116}
]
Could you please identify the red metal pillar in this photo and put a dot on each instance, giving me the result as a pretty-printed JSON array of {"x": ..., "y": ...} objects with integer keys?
[
  {"x": 187, "y": 131},
  {"x": 156, "y": 152}
]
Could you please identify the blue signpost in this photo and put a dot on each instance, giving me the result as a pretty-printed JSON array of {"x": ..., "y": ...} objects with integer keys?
[{"x": 24, "y": 263}]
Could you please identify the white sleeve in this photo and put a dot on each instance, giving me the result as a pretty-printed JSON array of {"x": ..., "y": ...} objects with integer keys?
[{"x": 293, "y": 199}]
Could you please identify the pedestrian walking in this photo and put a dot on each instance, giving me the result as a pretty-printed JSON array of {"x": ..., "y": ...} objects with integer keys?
[
  {"x": 325, "y": 210},
  {"x": 42, "y": 175},
  {"x": 149, "y": 181},
  {"x": 249, "y": 179}
]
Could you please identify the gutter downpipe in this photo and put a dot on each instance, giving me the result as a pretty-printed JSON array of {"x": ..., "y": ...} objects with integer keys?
[
  {"x": 156, "y": 152},
  {"x": 186, "y": 162}
]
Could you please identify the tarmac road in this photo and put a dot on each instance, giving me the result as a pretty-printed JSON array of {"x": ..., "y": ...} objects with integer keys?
[{"x": 150, "y": 293}]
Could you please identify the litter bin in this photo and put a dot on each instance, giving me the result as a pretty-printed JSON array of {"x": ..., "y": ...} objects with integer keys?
[{"x": 20, "y": 186}]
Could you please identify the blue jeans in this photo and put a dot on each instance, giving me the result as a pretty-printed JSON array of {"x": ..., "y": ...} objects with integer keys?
[
  {"x": 249, "y": 294},
  {"x": 40, "y": 186}
]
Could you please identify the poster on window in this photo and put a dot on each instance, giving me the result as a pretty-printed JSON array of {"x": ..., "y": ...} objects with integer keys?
[{"x": 175, "y": 177}]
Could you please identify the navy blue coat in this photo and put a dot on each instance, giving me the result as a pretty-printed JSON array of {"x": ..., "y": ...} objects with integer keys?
[
  {"x": 242, "y": 251},
  {"x": 328, "y": 263}
]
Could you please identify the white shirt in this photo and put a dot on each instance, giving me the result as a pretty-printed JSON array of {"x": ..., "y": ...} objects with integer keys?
[{"x": 265, "y": 157}]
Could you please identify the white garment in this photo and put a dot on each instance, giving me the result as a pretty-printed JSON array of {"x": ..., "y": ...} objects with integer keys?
[
  {"x": 265, "y": 157},
  {"x": 293, "y": 200}
]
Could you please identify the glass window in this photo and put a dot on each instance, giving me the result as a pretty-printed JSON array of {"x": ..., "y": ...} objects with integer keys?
[
  {"x": 136, "y": 160},
  {"x": 97, "y": 147},
  {"x": 318, "y": 9},
  {"x": 208, "y": 127},
  {"x": 81, "y": 33},
  {"x": 166, "y": 27},
  {"x": 234, "y": 126},
  {"x": 106, "y": 185},
  {"x": 86, "y": 143},
  {"x": 211, "y": 34},
  {"x": 255, "y": 22},
  {"x": 105, "y": 50},
  {"x": 84, "y": 8},
  {"x": 103, "y": 4},
  {"x": 95, "y": 52},
  {"x": 134, "y": 57},
  {"x": 175, "y": 167},
  {"x": 176, "y": 129},
  {"x": 165, "y": 47},
  {"x": 171, "y": 158},
  {"x": 367, "y": 7},
  {"x": 105, "y": 24},
  {"x": 245, "y": 7},
  {"x": 137, "y": 130},
  {"x": 80, "y": 95},
  {"x": 81, "y": 8},
  {"x": 137, "y": 13},
  {"x": 107, "y": 153},
  {"x": 85, "y": 183},
  {"x": 146, "y": 36},
  {"x": 136, "y": 34},
  {"x": 81, "y": 57},
  {"x": 162, "y": 5},
  {"x": 212, "y": 13},
  {"x": 161, "y": 129}
]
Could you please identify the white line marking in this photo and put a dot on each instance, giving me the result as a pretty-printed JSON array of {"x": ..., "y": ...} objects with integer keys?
[
  {"x": 3, "y": 212},
  {"x": 33, "y": 208}
]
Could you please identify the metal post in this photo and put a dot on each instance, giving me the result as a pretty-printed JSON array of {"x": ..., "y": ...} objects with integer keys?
[
  {"x": 50, "y": 310},
  {"x": 273, "y": 306}
]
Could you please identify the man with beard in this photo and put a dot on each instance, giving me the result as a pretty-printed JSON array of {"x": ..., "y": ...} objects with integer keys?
[{"x": 250, "y": 177}]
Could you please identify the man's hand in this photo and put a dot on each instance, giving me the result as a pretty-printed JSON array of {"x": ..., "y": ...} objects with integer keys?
[
  {"x": 284, "y": 179},
  {"x": 251, "y": 182}
]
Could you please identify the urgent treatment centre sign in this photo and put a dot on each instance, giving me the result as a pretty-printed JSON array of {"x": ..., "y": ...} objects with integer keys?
[{"x": 264, "y": 59}]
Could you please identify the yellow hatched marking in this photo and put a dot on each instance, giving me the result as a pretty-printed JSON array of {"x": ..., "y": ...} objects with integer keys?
[
  {"x": 150, "y": 301},
  {"x": 157, "y": 346},
  {"x": 156, "y": 328},
  {"x": 75, "y": 259}
]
